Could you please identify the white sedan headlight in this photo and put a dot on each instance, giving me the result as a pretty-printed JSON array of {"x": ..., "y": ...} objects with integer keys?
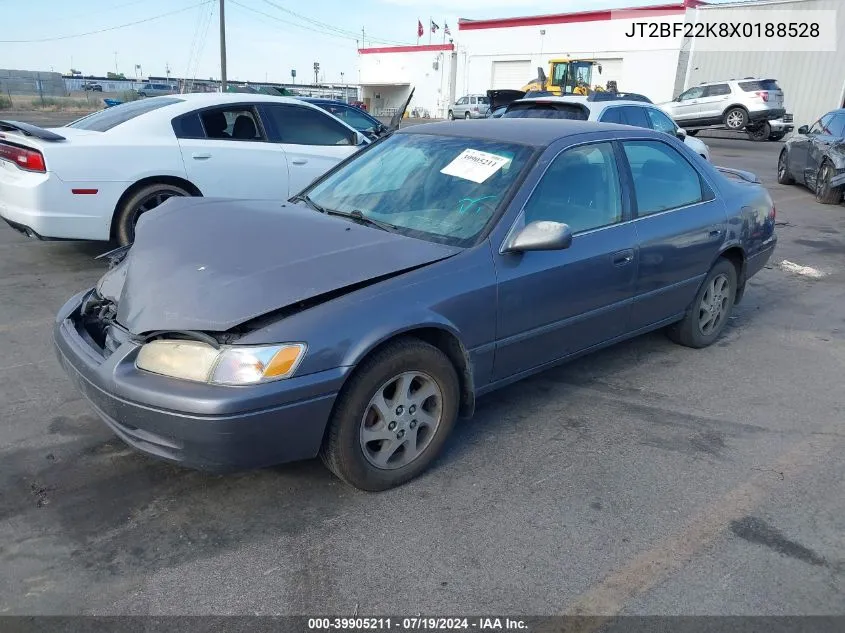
[{"x": 228, "y": 365}]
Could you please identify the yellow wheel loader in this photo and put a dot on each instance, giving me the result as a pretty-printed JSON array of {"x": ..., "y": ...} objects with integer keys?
[{"x": 567, "y": 77}]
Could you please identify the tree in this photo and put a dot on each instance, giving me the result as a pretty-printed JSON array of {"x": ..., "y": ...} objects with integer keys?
[{"x": 115, "y": 76}]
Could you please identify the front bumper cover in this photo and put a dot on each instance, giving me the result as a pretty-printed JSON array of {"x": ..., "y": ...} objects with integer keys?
[{"x": 196, "y": 425}]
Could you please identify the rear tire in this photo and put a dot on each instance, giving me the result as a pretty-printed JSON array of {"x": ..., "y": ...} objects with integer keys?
[
  {"x": 825, "y": 193},
  {"x": 760, "y": 132},
  {"x": 371, "y": 405},
  {"x": 710, "y": 310},
  {"x": 736, "y": 119},
  {"x": 776, "y": 136},
  {"x": 784, "y": 177},
  {"x": 143, "y": 200}
]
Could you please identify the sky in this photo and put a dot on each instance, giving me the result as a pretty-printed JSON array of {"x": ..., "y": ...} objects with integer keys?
[{"x": 265, "y": 39}]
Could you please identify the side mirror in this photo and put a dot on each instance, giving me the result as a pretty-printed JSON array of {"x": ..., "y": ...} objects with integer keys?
[
  {"x": 681, "y": 133},
  {"x": 360, "y": 139},
  {"x": 541, "y": 236},
  {"x": 803, "y": 129}
]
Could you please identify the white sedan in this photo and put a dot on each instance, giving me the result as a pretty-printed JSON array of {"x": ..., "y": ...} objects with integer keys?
[{"x": 93, "y": 178}]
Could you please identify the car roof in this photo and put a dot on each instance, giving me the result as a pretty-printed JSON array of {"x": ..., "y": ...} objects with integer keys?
[
  {"x": 534, "y": 132},
  {"x": 322, "y": 100},
  {"x": 582, "y": 99},
  {"x": 198, "y": 99}
]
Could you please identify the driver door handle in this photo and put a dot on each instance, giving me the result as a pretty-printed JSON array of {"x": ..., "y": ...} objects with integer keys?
[
  {"x": 201, "y": 155},
  {"x": 299, "y": 161},
  {"x": 622, "y": 258}
]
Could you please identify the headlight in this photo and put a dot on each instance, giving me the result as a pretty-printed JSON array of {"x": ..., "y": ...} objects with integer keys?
[{"x": 229, "y": 365}]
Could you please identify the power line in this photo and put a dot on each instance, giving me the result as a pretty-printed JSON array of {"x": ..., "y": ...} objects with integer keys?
[
  {"x": 327, "y": 30},
  {"x": 111, "y": 28}
]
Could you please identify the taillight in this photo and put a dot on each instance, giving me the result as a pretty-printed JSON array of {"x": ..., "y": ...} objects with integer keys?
[
  {"x": 774, "y": 212},
  {"x": 28, "y": 159},
  {"x": 763, "y": 95}
]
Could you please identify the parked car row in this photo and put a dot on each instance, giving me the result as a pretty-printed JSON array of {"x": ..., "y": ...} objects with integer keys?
[
  {"x": 357, "y": 314},
  {"x": 605, "y": 107}
]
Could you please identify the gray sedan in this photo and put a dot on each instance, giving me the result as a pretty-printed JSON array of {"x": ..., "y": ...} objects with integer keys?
[{"x": 358, "y": 320}]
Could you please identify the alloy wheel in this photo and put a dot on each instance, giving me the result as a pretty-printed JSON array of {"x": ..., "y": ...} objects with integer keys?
[{"x": 714, "y": 305}]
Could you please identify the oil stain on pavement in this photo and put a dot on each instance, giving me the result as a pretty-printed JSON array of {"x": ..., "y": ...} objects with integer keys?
[{"x": 756, "y": 530}]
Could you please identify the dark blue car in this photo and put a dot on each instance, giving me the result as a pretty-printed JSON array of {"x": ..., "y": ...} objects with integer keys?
[{"x": 358, "y": 320}]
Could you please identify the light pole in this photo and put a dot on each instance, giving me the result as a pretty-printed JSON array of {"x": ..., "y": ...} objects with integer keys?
[
  {"x": 222, "y": 48},
  {"x": 343, "y": 86},
  {"x": 115, "y": 63}
]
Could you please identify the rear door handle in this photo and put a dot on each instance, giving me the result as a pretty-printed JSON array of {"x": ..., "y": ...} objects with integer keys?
[
  {"x": 299, "y": 161},
  {"x": 623, "y": 257},
  {"x": 201, "y": 155}
]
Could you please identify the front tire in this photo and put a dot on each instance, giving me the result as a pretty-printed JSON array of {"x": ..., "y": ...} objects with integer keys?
[
  {"x": 784, "y": 178},
  {"x": 144, "y": 199},
  {"x": 451, "y": 116},
  {"x": 467, "y": 116},
  {"x": 776, "y": 136},
  {"x": 825, "y": 193},
  {"x": 736, "y": 119},
  {"x": 393, "y": 416},
  {"x": 710, "y": 310},
  {"x": 692, "y": 132}
]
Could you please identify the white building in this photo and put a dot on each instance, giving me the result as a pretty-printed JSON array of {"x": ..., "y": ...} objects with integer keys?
[
  {"x": 505, "y": 53},
  {"x": 388, "y": 74}
]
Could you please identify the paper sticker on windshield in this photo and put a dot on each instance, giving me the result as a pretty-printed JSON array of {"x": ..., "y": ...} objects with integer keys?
[{"x": 474, "y": 165}]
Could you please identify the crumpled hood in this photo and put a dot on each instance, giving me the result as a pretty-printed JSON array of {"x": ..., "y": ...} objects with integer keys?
[{"x": 210, "y": 264}]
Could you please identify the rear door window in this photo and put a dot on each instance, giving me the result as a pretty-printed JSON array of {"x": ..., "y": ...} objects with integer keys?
[
  {"x": 717, "y": 90},
  {"x": 611, "y": 115},
  {"x": 634, "y": 115},
  {"x": 663, "y": 179},
  {"x": 105, "y": 120}
]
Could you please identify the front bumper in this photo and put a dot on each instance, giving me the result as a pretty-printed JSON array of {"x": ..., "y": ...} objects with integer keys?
[{"x": 196, "y": 425}]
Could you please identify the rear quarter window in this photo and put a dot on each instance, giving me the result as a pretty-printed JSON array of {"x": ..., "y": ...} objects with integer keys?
[
  {"x": 105, "y": 120},
  {"x": 762, "y": 84}
]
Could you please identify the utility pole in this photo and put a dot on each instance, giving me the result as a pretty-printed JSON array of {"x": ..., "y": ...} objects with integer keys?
[
  {"x": 222, "y": 47},
  {"x": 363, "y": 39}
]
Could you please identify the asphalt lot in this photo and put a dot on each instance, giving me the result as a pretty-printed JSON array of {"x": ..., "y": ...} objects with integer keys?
[{"x": 646, "y": 479}]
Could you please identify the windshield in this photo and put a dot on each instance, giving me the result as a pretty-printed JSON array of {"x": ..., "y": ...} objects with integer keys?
[
  {"x": 104, "y": 120},
  {"x": 438, "y": 188}
]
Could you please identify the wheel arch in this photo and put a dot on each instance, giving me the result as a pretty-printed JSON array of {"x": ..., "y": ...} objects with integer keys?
[
  {"x": 445, "y": 339},
  {"x": 736, "y": 255},
  {"x": 143, "y": 182}
]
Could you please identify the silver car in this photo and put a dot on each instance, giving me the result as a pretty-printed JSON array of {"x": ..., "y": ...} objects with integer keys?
[
  {"x": 736, "y": 103},
  {"x": 157, "y": 90},
  {"x": 469, "y": 107}
]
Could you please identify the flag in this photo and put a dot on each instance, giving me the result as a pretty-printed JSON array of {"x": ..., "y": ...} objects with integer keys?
[
  {"x": 434, "y": 27},
  {"x": 446, "y": 30},
  {"x": 420, "y": 29}
]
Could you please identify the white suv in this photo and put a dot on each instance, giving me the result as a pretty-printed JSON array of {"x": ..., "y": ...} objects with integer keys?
[
  {"x": 736, "y": 103},
  {"x": 605, "y": 107}
]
